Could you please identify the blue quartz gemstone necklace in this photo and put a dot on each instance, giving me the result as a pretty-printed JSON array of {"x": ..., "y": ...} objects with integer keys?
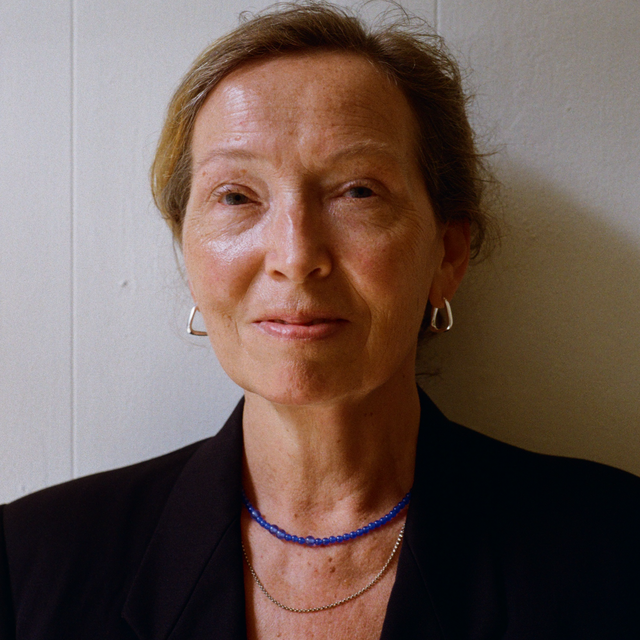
[{"x": 310, "y": 541}]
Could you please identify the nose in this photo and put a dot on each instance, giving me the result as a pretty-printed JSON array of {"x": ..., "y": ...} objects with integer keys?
[{"x": 298, "y": 247}]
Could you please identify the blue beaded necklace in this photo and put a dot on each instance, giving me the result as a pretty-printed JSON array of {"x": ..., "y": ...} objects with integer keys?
[{"x": 310, "y": 541}]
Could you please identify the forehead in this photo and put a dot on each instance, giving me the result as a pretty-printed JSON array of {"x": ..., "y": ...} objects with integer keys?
[{"x": 317, "y": 101}]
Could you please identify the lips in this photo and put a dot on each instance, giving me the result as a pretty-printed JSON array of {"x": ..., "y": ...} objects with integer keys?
[{"x": 300, "y": 326}]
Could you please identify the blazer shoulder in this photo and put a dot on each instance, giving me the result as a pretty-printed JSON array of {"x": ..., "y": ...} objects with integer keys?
[
  {"x": 108, "y": 517},
  {"x": 541, "y": 491},
  {"x": 100, "y": 495},
  {"x": 471, "y": 459},
  {"x": 119, "y": 493},
  {"x": 515, "y": 461}
]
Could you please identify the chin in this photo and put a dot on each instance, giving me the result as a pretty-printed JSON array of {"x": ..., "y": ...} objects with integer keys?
[{"x": 301, "y": 385}]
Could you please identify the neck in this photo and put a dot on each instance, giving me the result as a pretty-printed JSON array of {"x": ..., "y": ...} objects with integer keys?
[{"x": 337, "y": 463}]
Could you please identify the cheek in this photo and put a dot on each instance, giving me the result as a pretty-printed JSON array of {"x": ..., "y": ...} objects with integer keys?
[
  {"x": 394, "y": 274},
  {"x": 219, "y": 269}
]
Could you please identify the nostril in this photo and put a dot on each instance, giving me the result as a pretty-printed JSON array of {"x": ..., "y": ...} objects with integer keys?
[{"x": 299, "y": 267}]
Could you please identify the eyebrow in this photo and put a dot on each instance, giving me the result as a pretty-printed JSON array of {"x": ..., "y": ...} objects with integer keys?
[
  {"x": 366, "y": 147},
  {"x": 233, "y": 154}
]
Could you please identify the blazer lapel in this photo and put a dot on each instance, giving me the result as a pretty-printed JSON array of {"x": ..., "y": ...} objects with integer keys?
[
  {"x": 411, "y": 614},
  {"x": 448, "y": 585},
  {"x": 190, "y": 581}
]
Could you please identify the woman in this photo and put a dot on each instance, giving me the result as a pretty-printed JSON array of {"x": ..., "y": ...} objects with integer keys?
[{"x": 325, "y": 190}]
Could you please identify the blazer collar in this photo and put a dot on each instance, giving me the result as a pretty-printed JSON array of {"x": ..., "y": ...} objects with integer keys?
[
  {"x": 191, "y": 577},
  {"x": 448, "y": 583},
  {"x": 190, "y": 582}
]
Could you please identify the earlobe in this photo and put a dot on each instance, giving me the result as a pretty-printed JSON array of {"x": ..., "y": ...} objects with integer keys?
[{"x": 456, "y": 240}]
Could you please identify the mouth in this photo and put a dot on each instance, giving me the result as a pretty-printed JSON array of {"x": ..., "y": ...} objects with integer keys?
[{"x": 300, "y": 327}]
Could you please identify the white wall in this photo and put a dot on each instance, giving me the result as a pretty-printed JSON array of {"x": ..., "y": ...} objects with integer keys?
[
  {"x": 96, "y": 371},
  {"x": 547, "y": 351}
]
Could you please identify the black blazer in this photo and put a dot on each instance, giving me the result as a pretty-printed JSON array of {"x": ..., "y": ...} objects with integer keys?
[{"x": 500, "y": 543}]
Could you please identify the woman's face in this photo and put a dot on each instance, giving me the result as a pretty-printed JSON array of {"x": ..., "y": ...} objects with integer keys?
[{"x": 309, "y": 239}]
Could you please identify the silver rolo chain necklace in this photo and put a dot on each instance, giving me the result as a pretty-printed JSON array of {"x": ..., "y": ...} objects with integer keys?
[{"x": 333, "y": 604}]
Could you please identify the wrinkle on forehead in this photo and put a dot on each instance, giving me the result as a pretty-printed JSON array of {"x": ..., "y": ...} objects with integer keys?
[
  {"x": 256, "y": 91},
  {"x": 316, "y": 102}
]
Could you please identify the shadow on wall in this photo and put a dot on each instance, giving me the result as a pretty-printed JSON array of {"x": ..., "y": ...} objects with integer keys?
[{"x": 545, "y": 352}]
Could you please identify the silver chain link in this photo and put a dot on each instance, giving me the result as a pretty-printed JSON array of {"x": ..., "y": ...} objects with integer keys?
[{"x": 333, "y": 604}]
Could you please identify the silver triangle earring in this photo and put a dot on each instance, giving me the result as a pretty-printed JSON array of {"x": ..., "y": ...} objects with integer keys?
[
  {"x": 448, "y": 320},
  {"x": 190, "y": 330}
]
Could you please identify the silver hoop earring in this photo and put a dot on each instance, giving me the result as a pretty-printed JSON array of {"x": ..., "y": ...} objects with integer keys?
[
  {"x": 448, "y": 323},
  {"x": 190, "y": 330}
]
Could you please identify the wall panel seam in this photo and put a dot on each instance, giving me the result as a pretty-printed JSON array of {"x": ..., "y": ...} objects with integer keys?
[{"x": 72, "y": 252}]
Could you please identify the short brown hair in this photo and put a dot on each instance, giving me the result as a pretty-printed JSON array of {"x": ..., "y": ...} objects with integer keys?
[{"x": 403, "y": 49}]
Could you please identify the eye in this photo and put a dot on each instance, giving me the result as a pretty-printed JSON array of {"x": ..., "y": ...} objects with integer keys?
[
  {"x": 359, "y": 192},
  {"x": 234, "y": 198}
]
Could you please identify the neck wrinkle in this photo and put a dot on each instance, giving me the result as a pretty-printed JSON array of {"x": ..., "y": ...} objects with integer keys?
[{"x": 330, "y": 467}]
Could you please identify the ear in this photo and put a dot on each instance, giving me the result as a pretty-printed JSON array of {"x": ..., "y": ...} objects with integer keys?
[{"x": 456, "y": 241}]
